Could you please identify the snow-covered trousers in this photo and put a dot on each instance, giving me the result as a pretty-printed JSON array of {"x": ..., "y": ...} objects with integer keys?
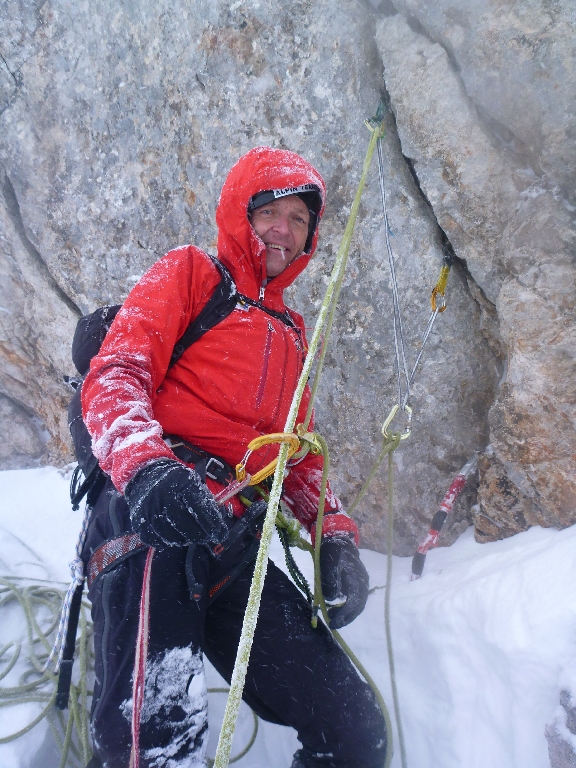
[{"x": 297, "y": 676}]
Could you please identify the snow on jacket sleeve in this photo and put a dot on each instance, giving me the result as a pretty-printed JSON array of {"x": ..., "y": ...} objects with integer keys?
[{"x": 119, "y": 390}]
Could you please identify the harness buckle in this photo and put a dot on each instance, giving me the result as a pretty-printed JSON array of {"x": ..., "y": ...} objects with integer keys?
[{"x": 218, "y": 463}]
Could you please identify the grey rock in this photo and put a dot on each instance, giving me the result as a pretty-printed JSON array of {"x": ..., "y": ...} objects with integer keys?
[
  {"x": 516, "y": 236},
  {"x": 119, "y": 125},
  {"x": 25, "y": 445},
  {"x": 560, "y": 749},
  {"x": 516, "y": 65}
]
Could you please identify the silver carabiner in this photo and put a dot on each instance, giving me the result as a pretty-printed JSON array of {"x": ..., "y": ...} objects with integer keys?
[{"x": 408, "y": 427}]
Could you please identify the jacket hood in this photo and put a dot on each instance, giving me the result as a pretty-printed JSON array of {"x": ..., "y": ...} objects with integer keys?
[{"x": 239, "y": 247}]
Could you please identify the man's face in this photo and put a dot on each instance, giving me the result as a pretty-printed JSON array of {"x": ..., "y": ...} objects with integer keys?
[{"x": 282, "y": 225}]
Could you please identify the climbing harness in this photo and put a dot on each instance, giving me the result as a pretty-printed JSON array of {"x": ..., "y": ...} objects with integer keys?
[{"x": 439, "y": 518}]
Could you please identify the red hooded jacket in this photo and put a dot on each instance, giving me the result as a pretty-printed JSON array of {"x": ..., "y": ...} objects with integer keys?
[{"x": 233, "y": 384}]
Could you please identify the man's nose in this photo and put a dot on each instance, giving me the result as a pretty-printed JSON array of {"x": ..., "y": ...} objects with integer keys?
[{"x": 282, "y": 224}]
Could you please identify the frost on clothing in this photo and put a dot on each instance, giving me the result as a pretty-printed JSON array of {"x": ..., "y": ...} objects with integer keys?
[
  {"x": 232, "y": 385},
  {"x": 184, "y": 711}
]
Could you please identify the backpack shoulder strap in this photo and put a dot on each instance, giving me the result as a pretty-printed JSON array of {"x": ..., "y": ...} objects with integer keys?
[
  {"x": 283, "y": 316},
  {"x": 90, "y": 333},
  {"x": 217, "y": 308}
]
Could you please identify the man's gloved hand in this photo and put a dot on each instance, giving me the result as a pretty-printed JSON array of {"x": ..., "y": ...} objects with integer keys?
[
  {"x": 344, "y": 580},
  {"x": 170, "y": 505}
]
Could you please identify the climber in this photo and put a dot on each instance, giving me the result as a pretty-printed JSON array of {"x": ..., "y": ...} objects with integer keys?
[{"x": 167, "y": 437}]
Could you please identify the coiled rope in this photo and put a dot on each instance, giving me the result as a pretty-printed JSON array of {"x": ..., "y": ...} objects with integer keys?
[{"x": 40, "y": 606}]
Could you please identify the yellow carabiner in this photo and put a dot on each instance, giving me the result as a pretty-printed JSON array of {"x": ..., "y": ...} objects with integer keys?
[
  {"x": 390, "y": 419},
  {"x": 258, "y": 442}
]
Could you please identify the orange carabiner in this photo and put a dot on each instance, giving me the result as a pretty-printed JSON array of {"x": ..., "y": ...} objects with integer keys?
[{"x": 438, "y": 290}]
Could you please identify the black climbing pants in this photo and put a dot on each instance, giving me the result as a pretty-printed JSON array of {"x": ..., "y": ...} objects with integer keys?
[{"x": 297, "y": 676}]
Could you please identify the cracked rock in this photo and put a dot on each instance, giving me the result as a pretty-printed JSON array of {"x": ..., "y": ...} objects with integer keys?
[
  {"x": 123, "y": 126},
  {"x": 511, "y": 225}
]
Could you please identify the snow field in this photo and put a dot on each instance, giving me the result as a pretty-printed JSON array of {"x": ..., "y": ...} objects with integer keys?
[{"x": 484, "y": 641}]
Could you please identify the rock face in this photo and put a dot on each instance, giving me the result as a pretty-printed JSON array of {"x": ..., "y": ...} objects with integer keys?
[
  {"x": 561, "y": 734},
  {"x": 498, "y": 179},
  {"x": 118, "y": 125}
]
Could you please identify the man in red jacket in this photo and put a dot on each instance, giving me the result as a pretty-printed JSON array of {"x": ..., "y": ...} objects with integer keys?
[{"x": 167, "y": 436}]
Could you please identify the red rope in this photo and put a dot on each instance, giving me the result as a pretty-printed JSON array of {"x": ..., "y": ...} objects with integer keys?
[{"x": 140, "y": 661}]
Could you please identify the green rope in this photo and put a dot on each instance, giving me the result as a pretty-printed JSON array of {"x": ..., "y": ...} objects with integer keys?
[
  {"x": 319, "y": 601},
  {"x": 387, "y": 603},
  {"x": 282, "y": 526},
  {"x": 251, "y": 614},
  {"x": 250, "y": 744},
  {"x": 40, "y": 605},
  {"x": 389, "y": 445},
  {"x": 376, "y": 125},
  {"x": 297, "y": 576},
  {"x": 318, "y": 597},
  {"x": 83, "y": 720}
]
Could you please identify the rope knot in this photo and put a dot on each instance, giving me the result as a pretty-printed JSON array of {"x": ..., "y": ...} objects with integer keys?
[{"x": 76, "y": 570}]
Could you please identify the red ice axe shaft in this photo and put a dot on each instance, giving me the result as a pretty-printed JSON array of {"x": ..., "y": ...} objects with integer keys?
[{"x": 439, "y": 518}]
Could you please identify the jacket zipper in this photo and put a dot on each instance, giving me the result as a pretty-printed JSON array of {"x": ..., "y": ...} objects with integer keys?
[
  {"x": 267, "y": 350},
  {"x": 286, "y": 339}
]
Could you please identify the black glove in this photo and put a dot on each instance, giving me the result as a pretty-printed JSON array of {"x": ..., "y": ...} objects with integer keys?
[
  {"x": 344, "y": 580},
  {"x": 170, "y": 505}
]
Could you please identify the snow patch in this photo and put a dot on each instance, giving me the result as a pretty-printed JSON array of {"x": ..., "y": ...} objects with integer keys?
[
  {"x": 484, "y": 642},
  {"x": 263, "y": 83}
]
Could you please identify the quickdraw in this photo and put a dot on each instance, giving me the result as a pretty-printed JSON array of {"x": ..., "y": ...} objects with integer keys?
[{"x": 438, "y": 290}]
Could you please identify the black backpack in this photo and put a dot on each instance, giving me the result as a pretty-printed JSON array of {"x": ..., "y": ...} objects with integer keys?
[{"x": 88, "y": 337}]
